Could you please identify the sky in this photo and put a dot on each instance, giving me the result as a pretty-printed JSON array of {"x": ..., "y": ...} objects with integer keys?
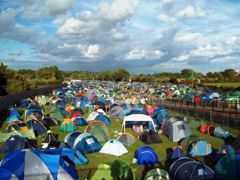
[{"x": 142, "y": 36}]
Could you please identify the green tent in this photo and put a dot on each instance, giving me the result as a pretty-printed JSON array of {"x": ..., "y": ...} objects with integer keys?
[
  {"x": 115, "y": 170},
  {"x": 228, "y": 166},
  {"x": 187, "y": 141},
  {"x": 68, "y": 125},
  {"x": 234, "y": 93},
  {"x": 57, "y": 116},
  {"x": 28, "y": 134}
]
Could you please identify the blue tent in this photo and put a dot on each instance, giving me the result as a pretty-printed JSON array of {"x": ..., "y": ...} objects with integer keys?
[
  {"x": 104, "y": 119},
  {"x": 12, "y": 118},
  {"x": 87, "y": 143},
  {"x": 15, "y": 142},
  {"x": 14, "y": 112},
  {"x": 187, "y": 168},
  {"x": 176, "y": 153},
  {"x": 84, "y": 142},
  {"x": 71, "y": 155},
  {"x": 80, "y": 121},
  {"x": 200, "y": 148},
  {"x": 70, "y": 138},
  {"x": 35, "y": 165},
  {"x": 221, "y": 133},
  {"x": 146, "y": 155},
  {"x": 160, "y": 115}
]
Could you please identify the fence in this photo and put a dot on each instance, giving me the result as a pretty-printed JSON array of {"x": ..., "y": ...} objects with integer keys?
[
  {"x": 214, "y": 112},
  {"x": 12, "y": 99}
]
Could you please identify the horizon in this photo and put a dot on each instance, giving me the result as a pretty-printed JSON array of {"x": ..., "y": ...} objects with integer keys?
[{"x": 143, "y": 37}]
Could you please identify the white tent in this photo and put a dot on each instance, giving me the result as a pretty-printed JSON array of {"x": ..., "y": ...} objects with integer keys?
[
  {"x": 176, "y": 129},
  {"x": 113, "y": 147},
  {"x": 92, "y": 116},
  {"x": 101, "y": 111},
  {"x": 137, "y": 118}
]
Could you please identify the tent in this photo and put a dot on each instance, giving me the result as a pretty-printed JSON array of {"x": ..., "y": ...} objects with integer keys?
[
  {"x": 176, "y": 153},
  {"x": 75, "y": 114},
  {"x": 221, "y": 133},
  {"x": 114, "y": 170},
  {"x": 228, "y": 167},
  {"x": 137, "y": 118},
  {"x": 84, "y": 142},
  {"x": 207, "y": 128},
  {"x": 16, "y": 142},
  {"x": 92, "y": 116},
  {"x": 236, "y": 144},
  {"x": 70, "y": 138},
  {"x": 187, "y": 168},
  {"x": 68, "y": 125},
  {"x": 157, "y": 174},
  {"x": 17, "y": 126},
  {"x": 126, "y": 139},
  {"x": 188, "y": 141},
  {"x": 150, "y": 137},
  {"x": 160, "y": 115},
  {"x": 57, "y": 116},
  {"x": 104, "y": 119},
  {"x": 34, "y": 164},
  {"x": 226, "y": 149},
  {"x": 80, "y": 121},
  {"x": 146, "y": 155},
  {"x": 99, "y": 130},
  {"x": 37, "y": 126},
  {"x": 48, "y": 122},
  {"x": 115, "y": 112},
  {"x": 176, "y": 129},
  {"x": 48, "y": 137},
  {"x": 200, "y": 148},
  {"x": 70, "y": 155},
  {"x": 113, "y": 147}
]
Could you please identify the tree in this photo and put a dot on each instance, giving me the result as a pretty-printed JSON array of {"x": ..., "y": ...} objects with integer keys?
[
  {"x": 186, "y": 73},
  {"x": 229, "y": 73},
  {"x": 3, "y": 79},
  {"x": 121, "y": 74}
]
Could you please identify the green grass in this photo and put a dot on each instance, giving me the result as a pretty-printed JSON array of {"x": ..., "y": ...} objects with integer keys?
[
  {"x": 224, "y": 84},
  {"x": 86, "y": 171}
]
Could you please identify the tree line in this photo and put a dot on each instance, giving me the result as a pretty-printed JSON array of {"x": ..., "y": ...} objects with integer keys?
[{"x": 15, "y": 81}]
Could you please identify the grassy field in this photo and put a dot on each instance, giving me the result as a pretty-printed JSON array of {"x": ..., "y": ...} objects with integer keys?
[
  {"x": 224, "y": 84},
  {"x": 87, "y": 171}
]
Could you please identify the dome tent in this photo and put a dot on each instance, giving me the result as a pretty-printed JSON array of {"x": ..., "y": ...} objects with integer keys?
[
  {"x": 126, "y": 139},
  {"x": 99, "y": 130},
  {"x": 113, "y": 147},
  {"x": 146, "y": 155},
  {"x": 157, "y": 174},
  {"x": 34, "y": 164},
  {"x": 187, "y": 168}
]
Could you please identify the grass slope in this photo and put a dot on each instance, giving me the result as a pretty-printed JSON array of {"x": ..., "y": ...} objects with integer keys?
[{"x": 224, "y": 84}]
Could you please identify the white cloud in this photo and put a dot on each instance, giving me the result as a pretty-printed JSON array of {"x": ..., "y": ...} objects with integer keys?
[
  {"x": 190, "y": 12},
  {"x": 181, "y": 58},
  {"x": 93, "y": 51},
  {"x": 168, "y": 1},
  {"x": 231, "y": 40},
  {"x": 117, "y": 34},
  {"x": 15, "y": 53},
  {"x": 211, "y": 51},
  {"x": 118, "y": 9},
  {"x": 138, "y": 54},
  {"x": 165, "y": 18},
  {"x": 7, "y": 20},
  {"x": 46, "y": 8},
  {"x": 184, "y": 37}
]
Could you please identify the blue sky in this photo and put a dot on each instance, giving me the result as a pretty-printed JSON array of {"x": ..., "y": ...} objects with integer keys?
[{"x": 143, "y": 36}]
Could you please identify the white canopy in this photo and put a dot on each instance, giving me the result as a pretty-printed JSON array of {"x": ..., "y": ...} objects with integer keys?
[{"x": 137, "y": 118}]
